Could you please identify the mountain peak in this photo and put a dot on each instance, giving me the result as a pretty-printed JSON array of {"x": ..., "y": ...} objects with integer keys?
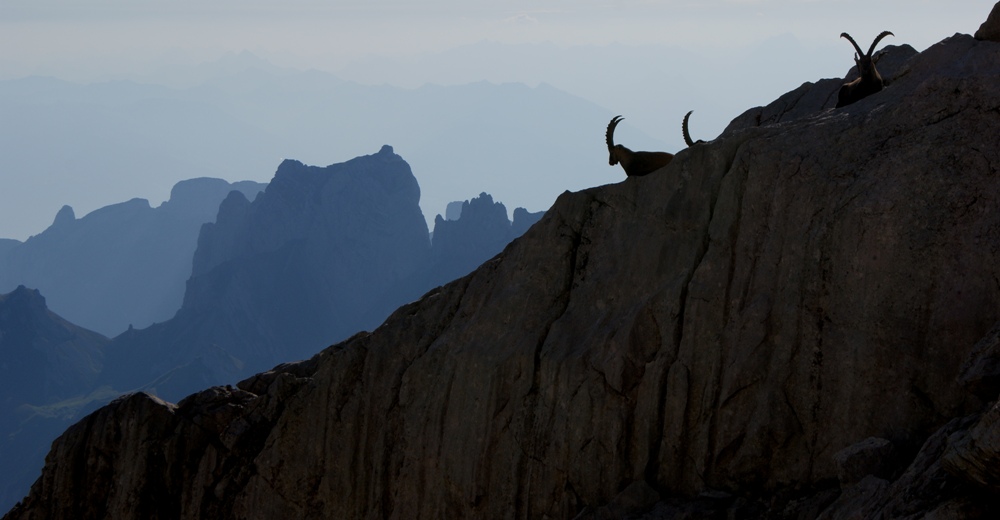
[
  {"x": 25, "y": 298},
  {"x": 64, "y": 216}
]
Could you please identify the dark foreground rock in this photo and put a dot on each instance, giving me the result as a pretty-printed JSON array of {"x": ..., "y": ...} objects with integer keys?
[
  {"x": 990, "y": 29},
  {"x": 698, "y": 343}
]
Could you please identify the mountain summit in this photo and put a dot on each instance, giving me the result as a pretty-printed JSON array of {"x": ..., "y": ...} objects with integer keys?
[{"x": 274, "y": 279}]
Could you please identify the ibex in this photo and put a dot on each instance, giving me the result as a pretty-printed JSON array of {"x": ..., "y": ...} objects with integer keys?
[
  {"x": 635, "y": 164},
  {"x": 684, "y": 130},
  {"x": 870, "y": 80}
]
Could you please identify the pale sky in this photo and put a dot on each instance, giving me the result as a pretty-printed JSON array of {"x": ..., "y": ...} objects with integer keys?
[
  {"x": 376, "y": 41},
  {"x": 72, "y": 39}
]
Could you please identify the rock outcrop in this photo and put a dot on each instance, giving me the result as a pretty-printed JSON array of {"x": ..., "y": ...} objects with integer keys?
[
  {"x": 42, "y": 356},
  {"x": 325, "y": 253},
  {"x": 990, "y": 29},
  {"x": 703, "y": 340},
  {"x": 480, "y": 231},
  {"x": 121, "y": 265},
  {"x": 301, "y": 266},
  {"x": 320, "y": 255}
]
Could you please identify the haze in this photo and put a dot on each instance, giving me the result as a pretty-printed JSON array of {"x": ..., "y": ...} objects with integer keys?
[{"x": 651, "y": 61}]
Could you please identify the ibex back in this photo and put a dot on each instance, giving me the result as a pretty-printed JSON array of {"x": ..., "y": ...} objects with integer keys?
[{"x": 635, "y": 164}]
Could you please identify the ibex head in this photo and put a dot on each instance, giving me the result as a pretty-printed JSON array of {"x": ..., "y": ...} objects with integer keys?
[
  {"x": 609, "y": 136},
  {"x": 870, "y": 81},
  {"x": 865, "y": 61}
]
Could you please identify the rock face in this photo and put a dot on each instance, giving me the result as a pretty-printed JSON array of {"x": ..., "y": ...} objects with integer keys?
[
  {"x": 326, "y": 252},
  {"x": 480, "y": 231},
  {"x": 122, "y": 265},
  {"x": 990, "y": 30},
  {"x": 43, "y": 358},
  {"x": 320, "y": 255},
  {"x": 454, "y": 210},
  {"x": 709, "y": 336},
  {"x": 301, "y": 266}
]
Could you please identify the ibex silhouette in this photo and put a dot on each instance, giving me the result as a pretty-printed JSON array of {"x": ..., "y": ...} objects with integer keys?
[{"x": 870, "y": 80}]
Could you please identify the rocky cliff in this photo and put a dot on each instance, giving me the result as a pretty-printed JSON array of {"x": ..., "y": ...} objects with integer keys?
[
  {"x": 325, "y": 253},
  {"x": 771, "y": 326},
  {"x": 299, "y": 267},
  {"x": 479, "y": 231},
  {"x": 321, "y": 254}
]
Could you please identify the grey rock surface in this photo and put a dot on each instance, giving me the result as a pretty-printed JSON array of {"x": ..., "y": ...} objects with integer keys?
[
  {"x": 980, "y": 374},
  {"x": 869, "y": 457},
  {"x": 990, "y": 29}
]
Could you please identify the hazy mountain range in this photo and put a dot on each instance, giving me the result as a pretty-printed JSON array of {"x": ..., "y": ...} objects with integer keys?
[
  {"x": 278, "y": 274},
  {"x": 121, "y": 265},
  {"x": 521, "y": 144},
  {"x": 44, "y": 360}
]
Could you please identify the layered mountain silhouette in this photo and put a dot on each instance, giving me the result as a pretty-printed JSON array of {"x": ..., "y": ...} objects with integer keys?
[
  {"x": 239, "y": 125},
  {"x": 44, "y": 360},
  {"x": 319, "y": 255},
  {"x": 480, "y": 231},
  {"x": 797, "y": 319},
  {"x": 322, "y": 253},
  {"x": 122, "y": 265}
]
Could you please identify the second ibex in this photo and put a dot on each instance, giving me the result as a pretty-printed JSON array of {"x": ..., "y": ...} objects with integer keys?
[
  {"x": 684, "y": 131},
  {"x": 870, "y": 81}
]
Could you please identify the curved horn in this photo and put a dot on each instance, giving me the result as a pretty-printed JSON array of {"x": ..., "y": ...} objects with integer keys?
[
  {"x": 878, "y": 38},
  {"x": 609, "y": 136},
  {"x": 684, "y": 129},
  {"x": 854, "y": 43}
]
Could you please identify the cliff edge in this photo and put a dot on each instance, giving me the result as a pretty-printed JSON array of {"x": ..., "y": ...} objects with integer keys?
[{"x": 773, "y": 324}]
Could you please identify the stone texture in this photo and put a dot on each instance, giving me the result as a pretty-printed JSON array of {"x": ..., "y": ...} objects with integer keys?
[
  {"x": 634, "y": 500},
  {"x": 923, "y": 488},
  {"x": 871, "y": 456},
  {"x": 974, "y": 455},
  {"x": 980, "y": 374},
  {"x": 717, "y": 330}
]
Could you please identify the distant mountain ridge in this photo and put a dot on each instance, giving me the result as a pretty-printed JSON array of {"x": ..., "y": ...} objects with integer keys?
[
  {"x": 322, "y": 253},
  {"x": 237, "y": 126},
  {"x": 43, "y": 358},
  {"x": 481, "y": 231},
  {"x": 121, "y": 265}
]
